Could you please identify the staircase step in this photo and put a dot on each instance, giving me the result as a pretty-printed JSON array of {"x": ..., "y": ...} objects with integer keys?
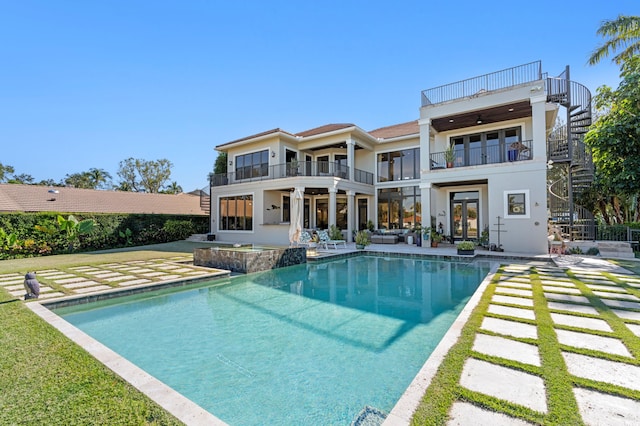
[{"x": 615, "y": 249}]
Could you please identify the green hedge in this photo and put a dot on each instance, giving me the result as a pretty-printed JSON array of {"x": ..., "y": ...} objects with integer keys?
[{"x": 19, "y": 237}]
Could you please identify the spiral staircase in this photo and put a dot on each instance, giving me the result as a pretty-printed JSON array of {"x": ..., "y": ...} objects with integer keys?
[{"x": 566, "y": 149}]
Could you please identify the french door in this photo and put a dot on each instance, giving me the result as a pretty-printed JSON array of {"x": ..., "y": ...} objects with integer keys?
[{"x": 464, "y": 216}]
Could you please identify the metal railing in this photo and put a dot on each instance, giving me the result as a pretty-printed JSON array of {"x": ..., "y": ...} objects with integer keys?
[
  {"x": 504, "y": 153},
  {"x": 477, "y": 85},
  {"x": 287, "y": 170}
]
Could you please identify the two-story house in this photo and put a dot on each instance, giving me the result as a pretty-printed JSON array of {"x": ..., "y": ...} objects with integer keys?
[{"x": 476, "y": 159}]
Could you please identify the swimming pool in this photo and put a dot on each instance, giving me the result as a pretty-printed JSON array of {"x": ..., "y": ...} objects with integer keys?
[{"x": 307, "y": 344}]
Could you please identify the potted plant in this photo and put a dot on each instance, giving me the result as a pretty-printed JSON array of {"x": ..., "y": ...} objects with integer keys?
[
  {"x": 466, "y": 248},
  {"x": 435, "y": 238},
  {"x": 450, "y": 156},
  {"x": 362, "y": 240}
]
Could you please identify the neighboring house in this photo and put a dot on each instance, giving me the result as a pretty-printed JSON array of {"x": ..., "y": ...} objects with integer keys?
[
  {"x": 34, "y": 198},
  {"x": 494, "y": 177}
]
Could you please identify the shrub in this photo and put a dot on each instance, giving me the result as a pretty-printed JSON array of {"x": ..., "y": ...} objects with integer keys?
[
  {"x": 466, "y": 245},
  {"x": 593, "y": 251}
]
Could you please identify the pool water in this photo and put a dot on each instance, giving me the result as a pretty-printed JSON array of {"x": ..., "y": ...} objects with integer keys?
[{"x": 307, "y": 344}]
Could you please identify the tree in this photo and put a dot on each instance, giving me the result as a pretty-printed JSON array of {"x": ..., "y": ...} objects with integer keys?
[
  {"x": 79, "y": 180},
  {"x": 173, "y": 188},
  {"x": 5, "y": 171},
  {"x": 140, "y": 175},
  {"x": 22, "y": 178},
  {"x": 93, "y": 179},
  {"x": 99, "y": 178},
  {"x": 615, "y": 137},
  {"x": 220, "y": 165},
  {"x": 624, "y": 35}
]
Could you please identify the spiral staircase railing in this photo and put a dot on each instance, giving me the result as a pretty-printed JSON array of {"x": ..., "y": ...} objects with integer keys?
[{"x": 566, "y": 148}]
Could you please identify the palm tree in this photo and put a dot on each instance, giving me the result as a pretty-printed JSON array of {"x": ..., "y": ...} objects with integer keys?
[
  {"x": 98, "y": 177},
  {"x": 624, "y": 34}
]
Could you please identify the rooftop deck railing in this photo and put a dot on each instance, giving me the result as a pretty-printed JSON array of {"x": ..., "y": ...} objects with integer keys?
[
  {"x": 476, "y": 85},
  {"x": 287, "y": 170},
  {"x": 505, "y": 153}
]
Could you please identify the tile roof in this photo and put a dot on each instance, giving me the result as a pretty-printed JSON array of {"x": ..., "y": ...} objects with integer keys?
[
  {"x": 34, "y": 198},
  {"x": 257, "y": 135},
  {"x": 402, "y": 129},
  {"x": 325, "y": 129}
]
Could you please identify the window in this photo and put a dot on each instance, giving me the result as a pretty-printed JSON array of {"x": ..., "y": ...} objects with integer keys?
[
  {"x": 286, "y": 208},
  {"x": 399, "y": 165},
  {"x": 236, "y": 213},
  {"x": 322, "y": 213},
  {"x": 484, "y": 148},
  {"x": 341, "y": 213},
  {"x": 254, "y": 164},
  {"x": 323, "y": 165},
  {"x": 399, "y": 207},
  {"x": 517, "y": 204}
]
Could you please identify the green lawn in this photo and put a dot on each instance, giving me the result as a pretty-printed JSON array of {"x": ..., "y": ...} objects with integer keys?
[{"x": 45, "y": 378}]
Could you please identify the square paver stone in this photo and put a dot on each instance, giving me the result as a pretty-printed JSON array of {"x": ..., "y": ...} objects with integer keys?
[
  {"x": 562, "y": 290},
  {"x": 566, "y": 297},
  {"x": 507, "y": 348},
  {"x": 582, "y": 322},
  {"x": 620, "y": 304},
  {"x": 509, "y": 328},
  {"x": 593, "y": 342},
  {"x": 632, "y": 315},
  {"x": 583, "y": 309},
  {"x": 609, "y": 288},
  {"x": 80, "y": 284},
  {"x": 603, "y": 409},
  {"x": 635, "y": 329},
  {"x": 512, "y": 300},
  {"x": 84, "y": 290},
  {"x": 463, "y": 414},
  {"x": 504, "y": 383},
  {"x": 514, "y": 291},
  {"x": 512, "y": 312},
  {"x": 625, "y": 296},
  {"x": 134, "y": 282},
  {"x": 558, "y": 283},
  {"x": 603, "y": 370}
]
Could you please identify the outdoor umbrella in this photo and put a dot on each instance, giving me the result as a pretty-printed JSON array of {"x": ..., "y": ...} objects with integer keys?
[{"x": 295, "y": 224}]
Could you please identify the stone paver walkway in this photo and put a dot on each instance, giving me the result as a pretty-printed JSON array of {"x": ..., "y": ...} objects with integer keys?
[
  {"x": 92, "y": 279},
  {"x": 595, "y": 318}
]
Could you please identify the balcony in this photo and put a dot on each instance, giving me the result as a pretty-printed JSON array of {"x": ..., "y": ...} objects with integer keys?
[
  {"x": 477, "y": 156},
  {"x": 288, "y": 170},
  {"x": 485, "y": 83}
]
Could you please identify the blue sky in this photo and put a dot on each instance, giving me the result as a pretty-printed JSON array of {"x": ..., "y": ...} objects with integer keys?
[{"x": 87, "y": 84}]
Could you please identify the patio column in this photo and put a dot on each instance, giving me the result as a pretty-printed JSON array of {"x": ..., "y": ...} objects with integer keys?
[
  {"x": 425, "y": 200},
  {"x": 351, "y": 161},
  {"x": 351, "y": 217},
  {"x": 332, "y": 206}
]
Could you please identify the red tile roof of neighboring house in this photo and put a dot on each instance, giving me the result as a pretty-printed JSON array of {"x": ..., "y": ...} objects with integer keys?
[
  {"x": 35, "y": 198},
  {"x": 325, "y": 129},
  {"x": 402, "y": 129}
]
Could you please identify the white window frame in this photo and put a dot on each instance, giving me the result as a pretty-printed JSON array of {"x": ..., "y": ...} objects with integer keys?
[{"x": 527, "y": 204}]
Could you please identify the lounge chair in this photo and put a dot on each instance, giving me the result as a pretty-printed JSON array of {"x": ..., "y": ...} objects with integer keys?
[{"x": 325, "y": 241}]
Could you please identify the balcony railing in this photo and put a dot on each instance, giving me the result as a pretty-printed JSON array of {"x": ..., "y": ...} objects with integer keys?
[
  {"x": 494, "y": 81},
  {"x": 504, "y": 153},
  {"x": 292, "y": 169}
]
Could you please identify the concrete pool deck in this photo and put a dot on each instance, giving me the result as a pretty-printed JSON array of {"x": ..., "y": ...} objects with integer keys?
[{"x": 578, "y": 324}]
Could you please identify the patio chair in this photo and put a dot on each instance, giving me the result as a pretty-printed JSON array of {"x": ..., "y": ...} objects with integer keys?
[
  {"x": 305, "y": 238},
  {"x": 325, "y": 241}
]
